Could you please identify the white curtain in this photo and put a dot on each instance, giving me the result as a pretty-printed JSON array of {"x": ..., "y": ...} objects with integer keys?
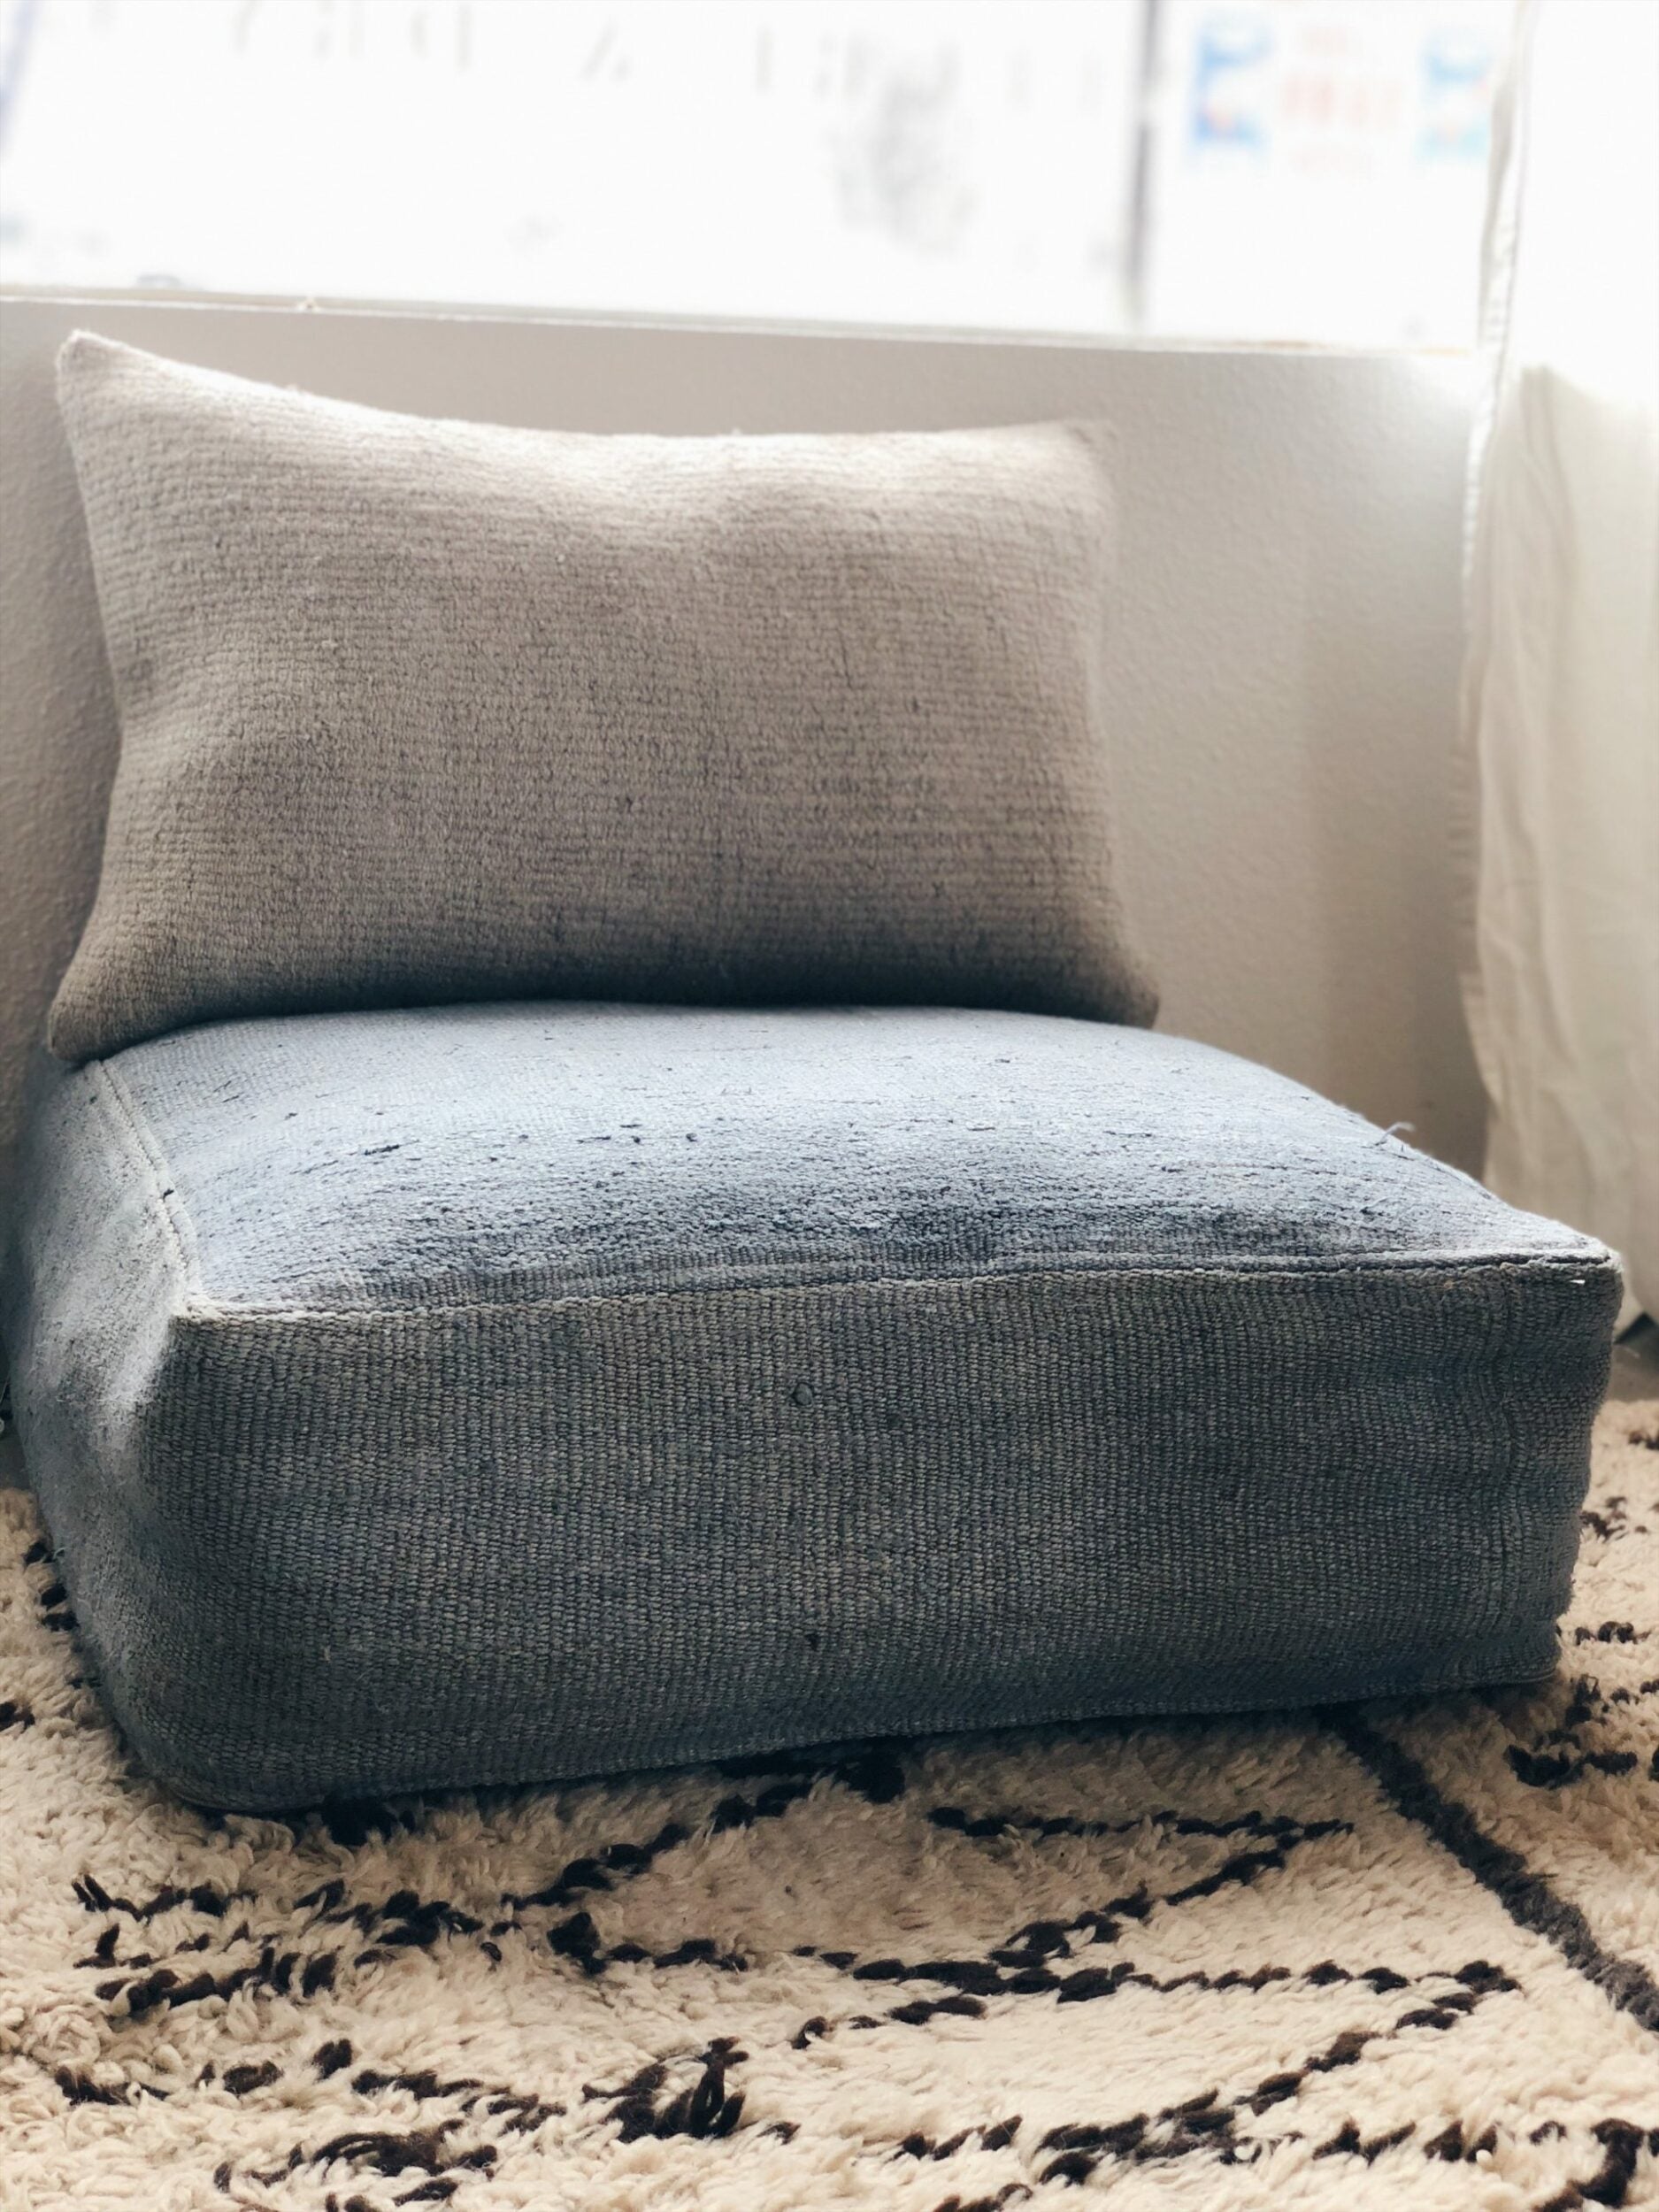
[{"x": 1561, "y": 708}]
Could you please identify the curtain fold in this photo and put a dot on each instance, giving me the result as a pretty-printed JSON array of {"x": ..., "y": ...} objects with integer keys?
[{"x": 1561, "y": 699}]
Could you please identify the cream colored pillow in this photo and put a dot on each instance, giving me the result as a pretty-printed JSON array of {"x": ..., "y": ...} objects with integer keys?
[{"x": 417, "y": 711}]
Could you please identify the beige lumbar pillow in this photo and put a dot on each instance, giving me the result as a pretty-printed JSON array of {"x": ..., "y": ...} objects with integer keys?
[{"x": 415, "y": 711}]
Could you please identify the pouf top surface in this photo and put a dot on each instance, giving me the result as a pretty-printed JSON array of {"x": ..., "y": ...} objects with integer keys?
[{"x": 555, "y": 1150}]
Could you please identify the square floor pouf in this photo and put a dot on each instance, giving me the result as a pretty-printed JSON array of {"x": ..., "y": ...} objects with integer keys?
[{"x": 495, "y": 1394}]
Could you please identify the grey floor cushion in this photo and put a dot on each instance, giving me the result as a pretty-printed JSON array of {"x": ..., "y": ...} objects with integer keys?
[{"x": 486, "y": 1394}]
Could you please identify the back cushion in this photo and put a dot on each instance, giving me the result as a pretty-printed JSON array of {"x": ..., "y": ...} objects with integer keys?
[{"x": 417, "y": 712}]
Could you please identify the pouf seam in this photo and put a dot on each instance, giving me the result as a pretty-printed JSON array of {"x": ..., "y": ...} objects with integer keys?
[
  {"x": 132, "y": 1126},
  {"x": 211, "y": 1313}
]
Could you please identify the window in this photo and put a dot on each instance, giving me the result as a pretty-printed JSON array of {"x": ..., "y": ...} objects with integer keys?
[{"x": 1293, "y": 169}]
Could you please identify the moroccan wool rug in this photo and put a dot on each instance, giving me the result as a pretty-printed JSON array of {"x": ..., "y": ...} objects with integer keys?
[{"x": 1393, "y": 1956}]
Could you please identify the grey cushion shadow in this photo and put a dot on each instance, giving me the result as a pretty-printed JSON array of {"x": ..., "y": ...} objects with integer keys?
[{"x": 489, "y": 1395}]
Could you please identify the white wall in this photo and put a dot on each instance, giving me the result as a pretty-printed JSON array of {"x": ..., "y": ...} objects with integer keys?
[{"x": 1284, "y": 643}]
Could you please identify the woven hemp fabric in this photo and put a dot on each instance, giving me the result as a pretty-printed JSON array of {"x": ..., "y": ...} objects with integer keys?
[
  {"x": 490, "y": 1393},
  {"x": 415, "y": 711}
]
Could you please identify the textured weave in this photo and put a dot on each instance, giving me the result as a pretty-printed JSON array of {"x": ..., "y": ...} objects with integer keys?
[
  {"x": 487, "y": 1394},
  {"x": 417, "y": 712}
]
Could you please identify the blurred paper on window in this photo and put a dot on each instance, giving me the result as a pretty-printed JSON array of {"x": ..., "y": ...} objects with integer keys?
[{"x": 1318, "y": 169}]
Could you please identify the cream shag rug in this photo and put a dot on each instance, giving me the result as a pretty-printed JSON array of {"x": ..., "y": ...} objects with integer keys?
[{"x": 1400, "y": 1956}]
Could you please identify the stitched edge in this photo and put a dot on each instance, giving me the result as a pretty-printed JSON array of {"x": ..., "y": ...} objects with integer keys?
[
  {"x": 1599, "y": 1273},
  {"x": 111, "y": 1092}
]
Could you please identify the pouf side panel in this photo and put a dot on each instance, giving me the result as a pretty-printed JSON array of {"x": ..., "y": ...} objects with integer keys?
[
  {"x": 502, "y": 1543},
  {"x": 95, "y": 1277}
]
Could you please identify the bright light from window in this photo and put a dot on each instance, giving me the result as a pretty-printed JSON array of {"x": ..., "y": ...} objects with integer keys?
[{"x": 1289, "y": 170}]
